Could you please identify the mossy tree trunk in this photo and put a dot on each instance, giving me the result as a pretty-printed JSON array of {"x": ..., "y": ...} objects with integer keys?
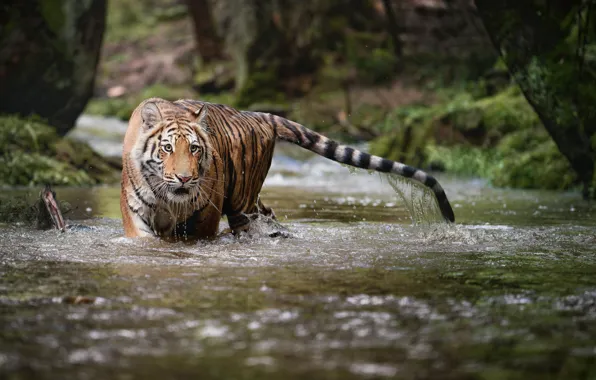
[
  {"x": 549, "y": 48},
  {"x": 48, "y": 57}
]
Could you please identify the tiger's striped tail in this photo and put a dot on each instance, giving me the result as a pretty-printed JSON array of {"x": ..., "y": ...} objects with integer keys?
[{"x": 298, "y": 134}]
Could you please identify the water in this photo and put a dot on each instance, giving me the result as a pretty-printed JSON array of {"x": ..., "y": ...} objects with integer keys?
[{"x": 358, "y": 291}]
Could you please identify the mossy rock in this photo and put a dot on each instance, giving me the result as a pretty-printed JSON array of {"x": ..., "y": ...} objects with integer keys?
[
  {"x": 459, "y": 120},
  {"x": 527, "y": 159},
  {"x": 406, "y": 132},
  {"x": 531, "y": 160},
  {"x": 467, "y": 161},
  {"x": 32, "y": 154},
  {"x": 498, "y": 137}
]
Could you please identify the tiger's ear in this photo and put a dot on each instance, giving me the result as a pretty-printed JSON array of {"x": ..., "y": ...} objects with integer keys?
[
  {"x": 201, "y": 115},
  {"x": 150, "y": 115}
]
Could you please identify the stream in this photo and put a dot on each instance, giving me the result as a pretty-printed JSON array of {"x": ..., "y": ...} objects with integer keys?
[{"x": 358, "y": 291}]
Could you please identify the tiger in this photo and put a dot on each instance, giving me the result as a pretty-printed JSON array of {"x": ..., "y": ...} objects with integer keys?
[{"x": 188, "y": 163}]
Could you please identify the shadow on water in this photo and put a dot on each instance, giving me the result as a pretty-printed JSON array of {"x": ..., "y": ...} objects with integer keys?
[{"x": 356, "y": 292}]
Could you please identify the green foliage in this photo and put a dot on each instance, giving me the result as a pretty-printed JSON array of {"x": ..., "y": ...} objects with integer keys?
[
  {"x": 31, "y": 153},
  {"x": 496, "y": 137},
  {"x": 35, "y": 169},
  {"x": 535, "y": 162},
  {"x": 550, "y": 51},
  {"x": 374, "y": 62},
  {"x": 469, "y": 161},
  {"x": 526, "y": 159},
  {"x": 259, "y": 87},
  {"x": 17, "y": 208},
  {"x": 131, "y": 20}
]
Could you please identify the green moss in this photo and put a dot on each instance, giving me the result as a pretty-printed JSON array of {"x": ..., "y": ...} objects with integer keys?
[
  {"x": 463, "y": 160},
  {"x": 34, "y": 169},
  {"x": 497, "y": 137},
  {"x": 373, "y": 63},
  {"x": 259, "y": 87},
  {"x": 542, "y": 167},
  {"x": 526, "y": 159},
  {"x": 31, "y": 133},
  {"x": 16, "y": 209},
  {"x": 407, "y": 130},
  {"x": 31, "y": 153}
]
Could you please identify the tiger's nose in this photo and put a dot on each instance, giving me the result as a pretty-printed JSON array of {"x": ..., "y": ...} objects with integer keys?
[{"x": 183, "y": 178}]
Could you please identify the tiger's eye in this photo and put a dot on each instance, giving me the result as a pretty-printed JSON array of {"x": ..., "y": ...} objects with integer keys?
[
  {"x": 195, "y": 149},
  {"x": 167, "y": 148}
]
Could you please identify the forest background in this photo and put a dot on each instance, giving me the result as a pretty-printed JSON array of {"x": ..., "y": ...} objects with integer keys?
[{"x": 504, "y": 91}]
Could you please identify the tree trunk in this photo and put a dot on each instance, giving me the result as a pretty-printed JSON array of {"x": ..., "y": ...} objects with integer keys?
[
  {"x": 278, "y": 45},
  {"x": 49, "y": 55},
  {"x": 393, "y": 28},
  {"x": 209, "y": 44},
  {"x": 542, "y": 44}
]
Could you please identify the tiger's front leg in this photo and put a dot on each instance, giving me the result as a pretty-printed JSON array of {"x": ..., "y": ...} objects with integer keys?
[{"x": 134, "y": 223}]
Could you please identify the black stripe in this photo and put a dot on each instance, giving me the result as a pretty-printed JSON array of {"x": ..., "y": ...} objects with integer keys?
[
  {"x": 230, "y": 136},
  {"x": 386, "y": 165},
  {"x": 295, "y": 131},
  {"x": 430, "y": 182},
  {"x": 244, "y": 171},
  {"x": 262, "y": 117},
  {"x": 348, "y": 156},
  {"x": 136, "y": 212},
  {"x": 215, "y": 182},
  {"x": 312, "y": 138},
  {"x": 408, "y": 171},
  {"x": 145, "y": 168},
  {"x": 273, "y": 121},
  {"x": 153, "y": 133},
  {"x": 330, "y": 149},
  {"x": 138, "y": 194},
  {"x": 146, "y": 143},
  {"x": 364, "y": 160},
  {"x": 135, "y": 188}
]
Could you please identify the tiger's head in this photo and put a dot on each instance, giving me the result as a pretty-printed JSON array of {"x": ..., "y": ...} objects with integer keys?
[{"x": 177, "y": 153}]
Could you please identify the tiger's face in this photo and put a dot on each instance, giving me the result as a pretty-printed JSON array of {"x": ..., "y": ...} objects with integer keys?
[{"x": 178, "y": 153}]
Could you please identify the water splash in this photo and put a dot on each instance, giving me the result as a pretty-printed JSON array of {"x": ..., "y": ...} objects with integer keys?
[{"x": 419, "y": 200}]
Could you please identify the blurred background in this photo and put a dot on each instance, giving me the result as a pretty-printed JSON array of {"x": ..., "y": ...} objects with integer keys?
[{"x": 502, "y": 91}]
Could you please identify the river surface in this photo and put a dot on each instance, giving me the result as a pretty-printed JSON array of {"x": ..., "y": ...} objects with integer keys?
[{"x": 358, "y": 291}]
